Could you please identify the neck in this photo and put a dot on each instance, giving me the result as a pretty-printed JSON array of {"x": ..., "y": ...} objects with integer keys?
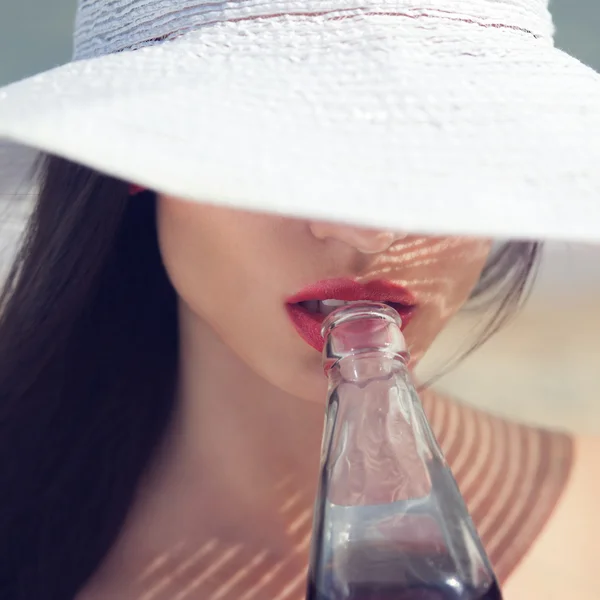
[{"x": 238, "y": 449}]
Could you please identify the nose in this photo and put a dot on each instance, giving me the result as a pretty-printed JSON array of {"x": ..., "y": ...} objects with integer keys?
[{"x": 366, "y": 241}]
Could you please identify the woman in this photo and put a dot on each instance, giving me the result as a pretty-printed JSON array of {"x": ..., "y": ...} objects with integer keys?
[{"x": 162, "y": 395}]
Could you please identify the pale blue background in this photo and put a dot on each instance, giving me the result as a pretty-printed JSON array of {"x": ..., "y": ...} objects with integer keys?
[{"x": 36, "y": 34}]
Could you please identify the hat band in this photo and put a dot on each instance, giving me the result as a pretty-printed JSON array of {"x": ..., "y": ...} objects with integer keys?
[{"x": 105, "y": 27}]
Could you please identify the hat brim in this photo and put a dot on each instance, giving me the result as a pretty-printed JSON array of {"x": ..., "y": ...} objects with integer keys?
[{"x": 381, "y": 121}]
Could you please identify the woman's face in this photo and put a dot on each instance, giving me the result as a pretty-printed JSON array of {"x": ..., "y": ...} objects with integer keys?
[{"x": 242, "y": 272}]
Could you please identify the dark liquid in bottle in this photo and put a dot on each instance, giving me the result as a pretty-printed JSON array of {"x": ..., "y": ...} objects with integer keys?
[
  {"x": 371, "y": 576},
  {"x": 421, "y": 591}
]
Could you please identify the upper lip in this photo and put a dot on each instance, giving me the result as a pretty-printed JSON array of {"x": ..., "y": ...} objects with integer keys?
[{"x": 349, "y": 290}]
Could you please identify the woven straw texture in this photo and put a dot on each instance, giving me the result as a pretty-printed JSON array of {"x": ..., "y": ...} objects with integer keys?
[{"x": 433, "y": 117}]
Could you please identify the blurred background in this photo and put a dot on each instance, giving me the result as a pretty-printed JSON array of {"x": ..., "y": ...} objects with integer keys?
[{"x": 543, "y": 368}]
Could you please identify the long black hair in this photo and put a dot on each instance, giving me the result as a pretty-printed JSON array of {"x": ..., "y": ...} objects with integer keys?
[{"x": 88, "y": 359}]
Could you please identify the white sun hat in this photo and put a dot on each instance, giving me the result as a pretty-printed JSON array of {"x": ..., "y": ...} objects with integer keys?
[{"x": 429, "y": 116}]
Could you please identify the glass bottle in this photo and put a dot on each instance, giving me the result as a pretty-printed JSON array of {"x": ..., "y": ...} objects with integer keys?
[{"x": 390, "y": 522}]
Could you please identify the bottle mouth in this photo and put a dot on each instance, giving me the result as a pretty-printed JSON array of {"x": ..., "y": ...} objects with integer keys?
[
  {"x": 360, "y": 310},
  {"x": 361, "y": 328}
]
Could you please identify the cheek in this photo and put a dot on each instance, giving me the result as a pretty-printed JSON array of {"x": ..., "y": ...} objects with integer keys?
[
  {"x": 208, "y": 258},
  {"x": 181, "y": 245},
  {"x": 442, "y": 274},
  {"x": 454, "y": 275},
  {"x": 455, "y": 272},
  {"x": 194, "y": 246}
]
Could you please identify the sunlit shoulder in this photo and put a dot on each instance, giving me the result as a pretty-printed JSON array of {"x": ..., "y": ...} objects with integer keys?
[{"x": 563, "y": 563}]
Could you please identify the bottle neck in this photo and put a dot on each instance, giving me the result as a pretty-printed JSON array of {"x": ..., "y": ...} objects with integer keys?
[{"x": 361, "y": 367}]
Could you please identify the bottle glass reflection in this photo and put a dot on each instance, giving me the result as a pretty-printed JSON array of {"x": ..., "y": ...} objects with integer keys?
[{"x": 390, "y": 523}]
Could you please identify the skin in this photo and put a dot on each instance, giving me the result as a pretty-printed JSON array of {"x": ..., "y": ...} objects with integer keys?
[
  {"x": 251, "y": 391},
  {"x": 217, "y": 256}
]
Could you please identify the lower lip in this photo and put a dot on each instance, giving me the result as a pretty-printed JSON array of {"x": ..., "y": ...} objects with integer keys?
[{"x": 309, "y": 325}]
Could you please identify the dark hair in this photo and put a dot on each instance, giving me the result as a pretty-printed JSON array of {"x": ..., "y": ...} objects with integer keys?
[{"x": 88, "y": 348}]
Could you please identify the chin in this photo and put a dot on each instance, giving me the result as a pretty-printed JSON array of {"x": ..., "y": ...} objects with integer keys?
[{"x": 309, "y": 382}]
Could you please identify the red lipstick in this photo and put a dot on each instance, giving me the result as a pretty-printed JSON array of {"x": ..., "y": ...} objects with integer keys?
[{"x": 308, "y": 323}]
